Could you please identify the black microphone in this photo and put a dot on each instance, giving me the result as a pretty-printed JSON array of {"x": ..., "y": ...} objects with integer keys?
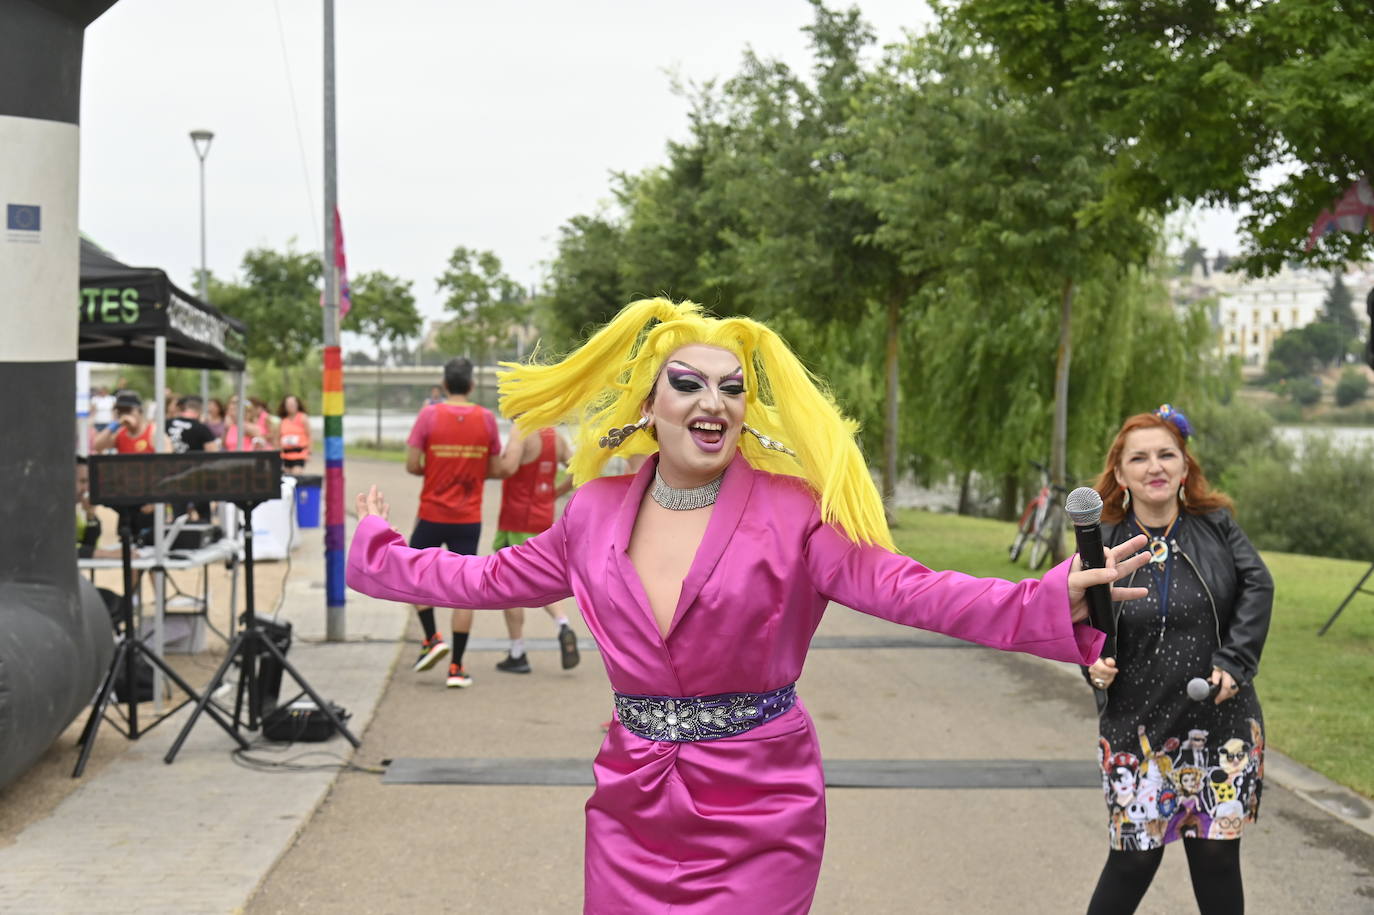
[
  {"x": 1084, "y": 506},
  {"x": 1199, "y": 690}
]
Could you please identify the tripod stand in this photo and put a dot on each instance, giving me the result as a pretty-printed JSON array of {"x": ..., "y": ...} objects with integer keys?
[
  {"x": 127, "y": 653},
  {"x": 1358, "y": 589},
  {"x": 250, "y": 642}
]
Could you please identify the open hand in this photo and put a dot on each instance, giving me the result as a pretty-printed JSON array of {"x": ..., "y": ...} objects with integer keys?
[
  {"x": 372, "y": 503},
  {"x": 1121, "y": 561}
]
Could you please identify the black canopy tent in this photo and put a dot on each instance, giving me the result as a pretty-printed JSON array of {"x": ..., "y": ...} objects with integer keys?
[
  {"x": 125, "y": 309},
  {"x": 137, "y": 316}
]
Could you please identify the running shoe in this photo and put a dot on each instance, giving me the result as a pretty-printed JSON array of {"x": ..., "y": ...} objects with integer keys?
[
  {"x": 432, "y": 650},
  {"x": 457, "y": 677},
  {"x": 520, "y": 665},
  {"x": 567, "y": 646}
]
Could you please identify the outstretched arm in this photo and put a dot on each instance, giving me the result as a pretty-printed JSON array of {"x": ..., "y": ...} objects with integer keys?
[
  {"x": 381, "y": 565},
  {"x": 1038, "y": 617}
]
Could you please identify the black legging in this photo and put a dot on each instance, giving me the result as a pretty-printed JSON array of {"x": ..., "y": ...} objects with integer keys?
[{"x": 1213, "y": 865}]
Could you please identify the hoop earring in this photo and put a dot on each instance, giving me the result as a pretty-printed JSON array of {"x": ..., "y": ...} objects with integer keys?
[
  {"x": 1182, "y": 494},
  {"x": 765, "y": 441},
  {"x": 1125, "y": 498},
  {"x": 614, "y": 438}
]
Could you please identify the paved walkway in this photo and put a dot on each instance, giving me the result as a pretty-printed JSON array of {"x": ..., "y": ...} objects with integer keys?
[{"x": 206, "y": 835}]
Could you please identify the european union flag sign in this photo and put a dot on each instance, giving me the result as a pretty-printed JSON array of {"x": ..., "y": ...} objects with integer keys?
[{"x": 23, "y": 217}]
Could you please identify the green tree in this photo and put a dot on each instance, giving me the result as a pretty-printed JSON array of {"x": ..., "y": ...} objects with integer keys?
[
  {"x": 794, "y": 245},
  {"x": 1192, "y": 256},
  {"x": 981, "y": 189},
  {"x": 1328, "y": 342},
  {"x": 384, "y": 311},
  {"x": 486, "y": 304},
  {"x": 1291, "y": 356},
  {"x": 278, "y": 298},
  {"x": 1321, "y": 504},
  {"x": 1227, "y": 435},
  {"x": 1337, "y": 311},
  {"x": 1204, "y": 99},
  {"x": 584, "y": 287},
  {"x": 1305, "y": 390},
  {"x": 1352, "y": 387}
]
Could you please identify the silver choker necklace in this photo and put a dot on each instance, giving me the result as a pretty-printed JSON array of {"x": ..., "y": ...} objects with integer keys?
[{"x": 681, "y": 500}]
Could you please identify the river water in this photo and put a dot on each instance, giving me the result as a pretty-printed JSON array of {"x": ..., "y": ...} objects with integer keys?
[{"x": 1345, "y": 437}]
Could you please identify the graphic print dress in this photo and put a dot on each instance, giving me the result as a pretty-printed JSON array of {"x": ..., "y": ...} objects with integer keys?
[{"x": 1172, "y": 767}]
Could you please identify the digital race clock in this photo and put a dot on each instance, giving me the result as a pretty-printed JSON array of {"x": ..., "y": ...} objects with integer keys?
[{"x": 137, "y": 479}]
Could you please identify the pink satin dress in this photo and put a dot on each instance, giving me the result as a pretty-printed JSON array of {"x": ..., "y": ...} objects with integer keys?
[{"x": 736, "y": 824}]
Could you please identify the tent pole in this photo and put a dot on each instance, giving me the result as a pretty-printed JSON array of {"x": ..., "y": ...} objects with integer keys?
[{"x": 159, "y": 403}]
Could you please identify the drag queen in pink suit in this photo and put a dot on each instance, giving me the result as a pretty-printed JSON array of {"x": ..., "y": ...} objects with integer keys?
[{"x": 703, "y": 578}]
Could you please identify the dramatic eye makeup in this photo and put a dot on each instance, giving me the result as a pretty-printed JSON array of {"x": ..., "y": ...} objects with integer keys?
[
  {"x": 687, "y": 380},
  {"x": 684, "y": 378}
]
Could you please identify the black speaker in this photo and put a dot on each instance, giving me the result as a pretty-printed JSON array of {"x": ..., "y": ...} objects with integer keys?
[{"x": 269, "y": 668}]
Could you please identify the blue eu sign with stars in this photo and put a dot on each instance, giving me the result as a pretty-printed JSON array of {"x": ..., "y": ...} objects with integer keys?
[{"x": 23, "y": 217}]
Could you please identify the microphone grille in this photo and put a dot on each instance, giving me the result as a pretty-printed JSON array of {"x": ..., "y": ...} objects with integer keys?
[
  {"x": 1198, "y": 689},
  {"x": 1084, "y": 506}
]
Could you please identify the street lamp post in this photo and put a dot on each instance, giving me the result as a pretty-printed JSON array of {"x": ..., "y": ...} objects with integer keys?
[{"x": 200, "y": 141}]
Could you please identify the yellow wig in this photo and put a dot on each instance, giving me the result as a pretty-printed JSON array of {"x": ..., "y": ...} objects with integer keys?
[{"x": 602, "y": 385}]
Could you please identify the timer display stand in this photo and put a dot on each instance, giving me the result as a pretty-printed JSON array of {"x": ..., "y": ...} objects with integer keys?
[
  {"x": 251, "y": 642},
  {"x": 127, "y": 653}
]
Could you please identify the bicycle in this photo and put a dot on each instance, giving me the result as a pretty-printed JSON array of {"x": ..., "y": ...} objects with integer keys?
[{"x": 1041, "y": 522}]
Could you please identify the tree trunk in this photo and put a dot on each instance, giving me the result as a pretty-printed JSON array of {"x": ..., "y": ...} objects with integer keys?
[
  {"x": 894, "y": 307},
  {"x": 1010, "y": 505},
  {"x": 1060, "y": 436},
  {"x": 965, "y": 482}
]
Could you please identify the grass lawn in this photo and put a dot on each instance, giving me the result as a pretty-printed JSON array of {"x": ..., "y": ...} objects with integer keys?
[
  {"x": 1317, "y": 693},
  {"x": 397, "y": 454}
]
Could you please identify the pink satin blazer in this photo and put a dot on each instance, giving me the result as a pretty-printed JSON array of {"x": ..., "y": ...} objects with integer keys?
[{"x": 736, "y": 824}]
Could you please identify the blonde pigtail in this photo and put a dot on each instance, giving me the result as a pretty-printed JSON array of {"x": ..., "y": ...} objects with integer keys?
[
  {"x": 592, "y": 387},
  {"x": 805, "y": 417}
]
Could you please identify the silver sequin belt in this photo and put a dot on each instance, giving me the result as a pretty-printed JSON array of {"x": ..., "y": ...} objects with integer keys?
[{"x": 687, "y": 719}]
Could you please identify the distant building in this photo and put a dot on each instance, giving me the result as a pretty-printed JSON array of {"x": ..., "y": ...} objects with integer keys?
[{"x": 1248, "y": 314}]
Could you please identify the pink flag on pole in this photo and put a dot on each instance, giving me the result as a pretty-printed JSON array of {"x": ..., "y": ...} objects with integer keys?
[
  {"x": 341, "y": 264},
  {"x": 1354, "y": 212}
]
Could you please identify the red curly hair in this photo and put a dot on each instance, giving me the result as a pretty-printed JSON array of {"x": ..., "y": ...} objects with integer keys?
[{"x": 1200, "y": 497}]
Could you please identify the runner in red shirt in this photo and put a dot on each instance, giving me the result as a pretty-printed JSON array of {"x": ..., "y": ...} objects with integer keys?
[
  {"x": 131, "y": 432},
  {"x": 454, "y": 445},
  {"x": 527, "y": 507}
]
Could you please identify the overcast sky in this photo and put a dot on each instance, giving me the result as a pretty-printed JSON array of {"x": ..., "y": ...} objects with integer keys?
[{"x": 486, "y": 125}]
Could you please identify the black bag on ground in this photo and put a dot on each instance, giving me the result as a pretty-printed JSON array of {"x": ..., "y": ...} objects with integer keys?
[
  {"x": 301, "y": 721},
  {"x": 143, "y": 681}
]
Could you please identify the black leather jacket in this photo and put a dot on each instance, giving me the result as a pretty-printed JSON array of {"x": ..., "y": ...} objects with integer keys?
[{"x": 1236, "y": 581}]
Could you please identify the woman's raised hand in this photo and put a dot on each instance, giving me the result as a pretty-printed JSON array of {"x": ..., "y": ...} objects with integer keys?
[
  {"x": 372, "y": 503},
  {"x": 1121, "y": 561}
]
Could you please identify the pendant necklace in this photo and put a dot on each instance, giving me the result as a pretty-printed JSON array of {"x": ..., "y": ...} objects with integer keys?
[
  {"x": 1160, "y": 567},
  {"x": 681, "y": 500}
]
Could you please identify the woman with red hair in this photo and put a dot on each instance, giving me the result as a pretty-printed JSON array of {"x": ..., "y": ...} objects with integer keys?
[{"x": 1206, "y": 615}]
